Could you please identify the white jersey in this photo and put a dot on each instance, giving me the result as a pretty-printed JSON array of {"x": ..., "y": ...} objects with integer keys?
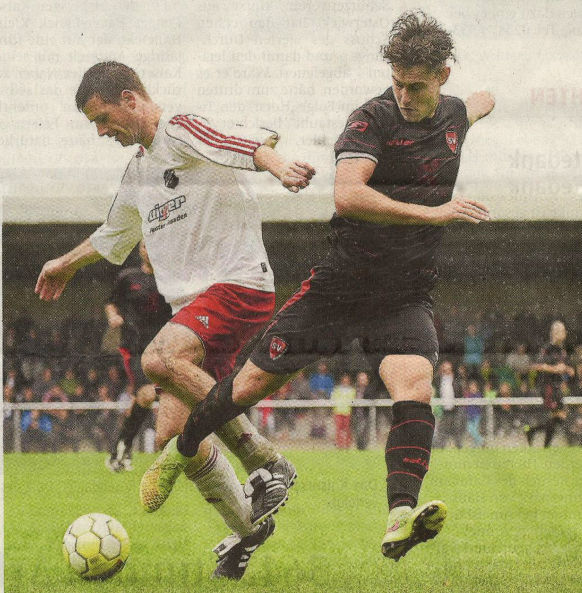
[{"x": 195, "y": 209}]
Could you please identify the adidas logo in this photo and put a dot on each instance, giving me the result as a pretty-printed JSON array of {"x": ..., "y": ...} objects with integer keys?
[{"x": 203, "y": 319}]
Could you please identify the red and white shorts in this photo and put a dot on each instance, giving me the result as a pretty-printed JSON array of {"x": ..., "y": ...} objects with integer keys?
[{"x": 225, "y": 318}]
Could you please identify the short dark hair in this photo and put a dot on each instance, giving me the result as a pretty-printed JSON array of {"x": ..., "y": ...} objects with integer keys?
[
  {"x": 418, "y": 40},
  {"x": 108, "y": 80}
]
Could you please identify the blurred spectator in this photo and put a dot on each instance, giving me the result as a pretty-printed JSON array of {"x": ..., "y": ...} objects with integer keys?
[
  {"x": 342, "y": 396},
  {"x": 10, "y": 350},
  {"x": 474, "y": 347},
  {"x": 299, "y": 387},
  {"x": 12, "y": 379},
  {"x": 9, "y": 396},
  {"x": 32, "y": 355},
  {"x": 320, "y": 385},
  {"x": 361, "y": 416},
  {"x": 90, "y": 382},
  {"x": 284, "y": 417},
  {"x": 69, "y": 382},
  {"x": 519, "y": 361},
  {"x": 60, "y": 428},
  {"x": 321, "y": 382},
  {"x": 486, "y": 373},
  {"x": 56, "y": 350},
  {"x": 450, "y": 424},
  {"x": 43, "y": 384},
  {"x": 116, "y": 381},
  {"x": 36, "y": 428},
  {"x": 474, "y": 414},
  {"x": 104, "y": 423},
  {"x": 505, "y": 417},
  {"x": 503, "y": 373}
]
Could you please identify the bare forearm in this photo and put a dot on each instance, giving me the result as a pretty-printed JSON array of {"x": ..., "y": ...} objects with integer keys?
[
  {"x": 267, "y": 159},
  {"x": 361, "y": 202},
  {"x": 81, "y": 256}
]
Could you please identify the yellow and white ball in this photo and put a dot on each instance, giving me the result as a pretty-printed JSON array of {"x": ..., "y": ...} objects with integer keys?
[{"x": 96, "y": 546}]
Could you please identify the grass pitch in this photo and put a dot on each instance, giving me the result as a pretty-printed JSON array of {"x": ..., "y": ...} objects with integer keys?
[{"x": 515, "y": 524}]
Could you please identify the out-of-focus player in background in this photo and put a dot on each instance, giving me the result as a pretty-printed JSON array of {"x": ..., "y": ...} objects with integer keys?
[
  {"x": 184, "y": 193},
  {"x": 137, "y": 308},
  {"x": 553, "y": 369},
  {"x": 397, "y": 162}
]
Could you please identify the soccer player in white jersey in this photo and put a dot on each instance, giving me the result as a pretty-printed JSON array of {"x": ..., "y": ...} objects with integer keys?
[{"x": 185, "y": 194}]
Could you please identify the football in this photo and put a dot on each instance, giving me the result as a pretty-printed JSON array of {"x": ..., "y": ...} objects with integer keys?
[{"x": 96, "y": 546}]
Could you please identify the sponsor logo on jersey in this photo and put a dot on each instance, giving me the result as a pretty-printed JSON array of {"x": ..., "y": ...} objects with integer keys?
[
  {"x": 400, "y": 142},
  {"x": 140, "y": 152},
  {"x": 135, "y": 286},
  {"x": 452, "y": 141},
  {"x": 358, "y": 126},
  {"x": 171, "y": 179},
  {"x": 162, "y": 211},
  {"x": 203, "y": 319},
  {"x": 277, "y": 348}
]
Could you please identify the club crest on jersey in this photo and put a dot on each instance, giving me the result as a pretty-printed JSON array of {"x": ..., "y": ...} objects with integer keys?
[
  {"x": 170, "y": 178},
  {"x": 140, "y": 152},
  {"x": 358, "y": 126},
  {"x": 277, "y": 348},
  {"x": 452, "y": 141},
  {"x": 203, "y": 319}
]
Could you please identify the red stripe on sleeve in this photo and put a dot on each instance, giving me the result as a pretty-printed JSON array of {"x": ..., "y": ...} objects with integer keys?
[
  {"x": 221, "y": 146},
  {"x": 221, "y": 141}
]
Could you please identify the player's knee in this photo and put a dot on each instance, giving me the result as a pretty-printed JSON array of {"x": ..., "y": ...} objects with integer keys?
[{"x": 156, "y": 365}]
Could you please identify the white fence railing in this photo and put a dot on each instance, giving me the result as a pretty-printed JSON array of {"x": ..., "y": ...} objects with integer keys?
[{"x": 372, "y": 404}]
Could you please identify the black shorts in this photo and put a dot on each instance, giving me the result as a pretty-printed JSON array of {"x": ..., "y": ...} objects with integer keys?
[{"x": 316, "y": 322}]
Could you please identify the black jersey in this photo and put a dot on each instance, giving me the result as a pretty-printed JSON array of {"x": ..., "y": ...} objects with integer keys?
[
  {"x": 142, "y": 307},
  {"x": 416, "y": 163}
]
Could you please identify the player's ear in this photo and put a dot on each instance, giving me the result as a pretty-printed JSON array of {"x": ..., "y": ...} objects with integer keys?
[
  {"x": 128, "y": 98},
  {"x": 444, "y": 74}
]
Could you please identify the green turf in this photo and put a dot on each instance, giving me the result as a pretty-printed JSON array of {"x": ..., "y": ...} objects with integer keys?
[{"x": 514, "y": 525}]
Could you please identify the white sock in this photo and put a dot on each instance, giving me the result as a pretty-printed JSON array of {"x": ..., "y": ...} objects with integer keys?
[{"x": 219, "y": 485}]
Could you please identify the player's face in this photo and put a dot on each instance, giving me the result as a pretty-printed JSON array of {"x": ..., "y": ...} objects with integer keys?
[
  {"x": 417, "y": 90},
  {"x": 116, "y": 120}
]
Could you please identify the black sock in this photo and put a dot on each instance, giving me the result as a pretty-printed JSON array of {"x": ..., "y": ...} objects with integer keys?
[
  {"x": 211, "y": 413},
  {"x": 408, "y": 451},
  {"x": 131, "y": 425}
]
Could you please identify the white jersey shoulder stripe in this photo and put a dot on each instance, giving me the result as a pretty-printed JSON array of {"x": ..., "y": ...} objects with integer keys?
[
  {"x": 225, "y": 143},
  {"x": 192, "y": 119}
]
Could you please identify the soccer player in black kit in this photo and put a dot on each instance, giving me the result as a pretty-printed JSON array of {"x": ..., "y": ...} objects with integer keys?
[
  {"x": 397, "y": 162},
  {"x": 136, "y": 306},
  {"x": 552, "y": 370}
]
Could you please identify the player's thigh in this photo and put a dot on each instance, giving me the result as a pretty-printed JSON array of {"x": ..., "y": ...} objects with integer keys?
[
  {"x": 173, "y": 341},
  {"x": 406, "y": 343},
  {"x": 252, "y": 384}
]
